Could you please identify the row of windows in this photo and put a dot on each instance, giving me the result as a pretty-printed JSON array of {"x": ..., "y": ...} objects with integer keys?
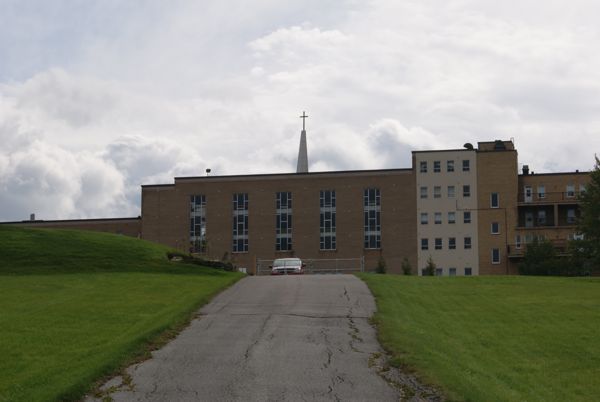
[
  {"x": 283, "y": 221},
  {"x": 439, "y": 243},
  {"x": 437, "y": 166},
  {"x": 541, "y": 191},
  {"x": 437, "y": 217},
  {"x": 451, "y": 193},
  {"x": 451, "y": 271}
]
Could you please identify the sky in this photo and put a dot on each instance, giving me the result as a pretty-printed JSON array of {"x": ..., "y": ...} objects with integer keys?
[{"x": 100, "y": 97}]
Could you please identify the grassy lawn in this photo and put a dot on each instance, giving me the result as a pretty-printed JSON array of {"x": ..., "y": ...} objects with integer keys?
[
  {"x": 76, "y": 306},
  {"x": 494, "y": 338}
]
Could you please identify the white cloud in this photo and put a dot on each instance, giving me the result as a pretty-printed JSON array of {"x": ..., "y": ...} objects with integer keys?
[{"x": 139, "y": 96}]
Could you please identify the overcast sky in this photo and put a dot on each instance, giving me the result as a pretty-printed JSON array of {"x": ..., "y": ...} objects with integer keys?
[{"x": 98, "y": 97}]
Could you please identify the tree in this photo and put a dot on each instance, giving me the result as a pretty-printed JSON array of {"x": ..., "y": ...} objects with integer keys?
[
  {"x": 429, "y": 268},
  {"x": 406, "y": 268},
  {"x": 589, "y": 221},
  {"x": 380, "y": 268},
  {"x": 540, "y": 259}
]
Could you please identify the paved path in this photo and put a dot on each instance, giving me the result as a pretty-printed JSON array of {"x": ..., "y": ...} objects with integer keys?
[{"x": 270, "y": 339}]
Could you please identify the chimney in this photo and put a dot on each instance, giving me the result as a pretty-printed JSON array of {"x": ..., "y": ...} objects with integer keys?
[{"x": 525, "y": 170}]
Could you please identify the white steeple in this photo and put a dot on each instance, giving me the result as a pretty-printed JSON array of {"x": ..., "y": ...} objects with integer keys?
[{"x": 302, "y": 166}]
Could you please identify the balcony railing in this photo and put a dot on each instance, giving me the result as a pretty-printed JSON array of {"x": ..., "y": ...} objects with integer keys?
[
  {"x": 551, "y": 197},
  {"x": 518, "y": 249}
]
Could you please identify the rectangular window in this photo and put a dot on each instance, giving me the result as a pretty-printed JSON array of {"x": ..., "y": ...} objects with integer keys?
[
  {"x": 424, "y": 218},
  {"x": 439, "y": 271},
  {"x": 495, "y": 256},
  {"x": 283, "y": 221},
  {"x": 424, "y": 244},
  {"x": 437, "y": 192},
  {"x": 541, "y": 192},
  {"x": 451, "y": 271},
  {"x": 450, "y": 166},
  {"x": 581, "y": 189},
  {"x": 495, "y": 228},
  {"x": 423, "y": 192},
  {"x": 466, "y": 191},
  {"x": 438, "y": 243},
  {"x": 467, "y": 243},
  {"x": 372, "y": 214},
  {"x": 467, "y": 217},
  {"x": 518, "y": 242},
  {"x": 571, "y": 215},
  {"x": 437, "y": 167},
  {"x": 451, "y": 217},
  {"x": 466, "y": 165},
  {"x": 452, "y": 243},
  {"x": 197, "y": 224},
  {"x": 468, "y": 271},
  {"x": 438, "y": 218},
  {"x": 541, "y": 217},
  {"x": 451, "y": 191},
  {"x": 494, "y": 200},
  {"x": 240, "y": 222},
  {"x": 570, "y": 190},
  {"x": 423, "y": 166},
  {"x": 327, "y": 220}
]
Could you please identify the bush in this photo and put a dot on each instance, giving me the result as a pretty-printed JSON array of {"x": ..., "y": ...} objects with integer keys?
[
  {"x": 406, "y": 268},
  {"x": 226, "y": 265},
  {"x": 380, "y": 268},
  {"x": 429, "y": 268},
  {"x": 540, "y": 259}
]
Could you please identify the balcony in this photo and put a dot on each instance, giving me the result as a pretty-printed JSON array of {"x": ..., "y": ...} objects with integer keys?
[
  {"x": 561, "y": 247},
  {"x": 563, "y": 197}
]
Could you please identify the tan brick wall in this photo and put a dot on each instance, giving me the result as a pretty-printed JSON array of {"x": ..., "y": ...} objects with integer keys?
[
  {"x": 496, "y": 173},
  {"x": 128, "y": 227},
  {"x": 165, "y": 212}
]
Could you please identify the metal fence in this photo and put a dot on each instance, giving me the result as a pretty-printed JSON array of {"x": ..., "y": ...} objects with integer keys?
[{"x": 319, "y": 266}]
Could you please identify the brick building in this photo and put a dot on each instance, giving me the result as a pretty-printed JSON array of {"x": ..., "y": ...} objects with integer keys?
[{"x": 469, "y": 210}]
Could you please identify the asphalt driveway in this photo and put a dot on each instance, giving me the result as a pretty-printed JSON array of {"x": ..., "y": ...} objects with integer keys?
[{"x": 283, "y": 338}]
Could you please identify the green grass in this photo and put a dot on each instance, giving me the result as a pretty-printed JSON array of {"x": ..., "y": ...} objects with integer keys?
[
  {"x": 494, "y": 338},
  {"x": 77, "y": 306}
]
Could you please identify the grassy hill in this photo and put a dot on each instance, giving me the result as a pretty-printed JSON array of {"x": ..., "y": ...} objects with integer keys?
[
  {"x": 76, "y": 306},
  {"x": 495, "y": 338}
]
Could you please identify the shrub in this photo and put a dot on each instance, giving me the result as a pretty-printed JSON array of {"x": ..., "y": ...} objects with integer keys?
[
  {"x": 406, "y": 268},
  {"x": 429, "y": 268},
  {"x": 380, "y": 268}
]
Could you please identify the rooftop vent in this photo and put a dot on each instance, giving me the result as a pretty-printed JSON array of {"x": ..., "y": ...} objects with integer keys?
[
  {"x": 468, "y": 145},
  {"x": 525, "y": 170},
  {"x": 499, "y": 145}
]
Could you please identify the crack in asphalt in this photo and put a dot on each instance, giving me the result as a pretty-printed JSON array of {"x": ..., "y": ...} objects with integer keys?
[{"x": 258, "y": 337}]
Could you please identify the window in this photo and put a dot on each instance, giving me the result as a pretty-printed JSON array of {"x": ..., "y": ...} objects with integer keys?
[
  {"x": 436, "y": 167},
  {"x": 240, "y": 222},
  {"x": 451, "y": 271},
  {"x": 372, "y": 213},
  {"x": 466, "y": 165},
  {"x": 570, "y": 190},
  {"x": 495, "y": 228},
  {"x": 541, "y": 217},
  {"x": 424, "y": 218},
  {"x": 327, "y": 220},
  {"x": 495, "y": 256},
  {"x": 467, "y": 243},
  {"x": 467, "y": 217},
  {"x": 518, "y": 242},
  {"x": 451, "y": 191},
  {"x": 451, "y": 217},
  {"x": 438, "y": 243},
  {"x": 581, "y": 188},
  {"x": 571, "y": 215},
  {"x": 439, "y": 271},
  {"x": 438, "y": 218},
  {"x": 198, "y": 224},
  {"x": 423, "y": 166},
  {"x": 468, "y": 271},
  {"x": 423, "y": 192},
  {"x": 494, "y": 200},
  {"x": 452, "y": 243},
  {"x": 450, "y": 166},
  {"x": 283, "y": 221},
  {"x": 528, "y": 219},
  {"x": 437, "y": 192},
  {"x": 466, "y": 191},
  {"x": 424, "y": 244},
  {"x": 541, "y": 192}
]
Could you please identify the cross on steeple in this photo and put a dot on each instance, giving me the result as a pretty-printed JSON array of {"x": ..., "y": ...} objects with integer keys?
[{"x": 303, "y": 117}]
